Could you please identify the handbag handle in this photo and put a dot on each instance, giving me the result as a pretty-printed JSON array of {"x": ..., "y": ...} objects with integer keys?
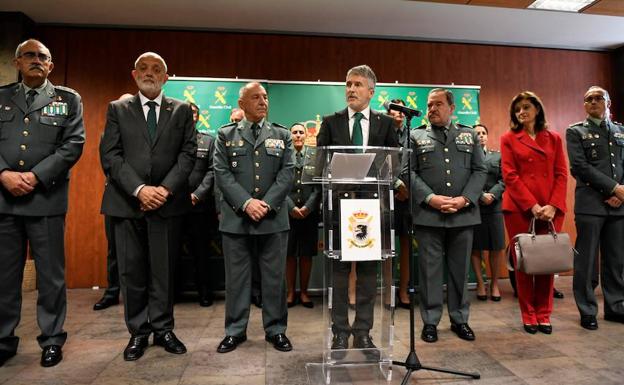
[{"x": 551, "y": 229}]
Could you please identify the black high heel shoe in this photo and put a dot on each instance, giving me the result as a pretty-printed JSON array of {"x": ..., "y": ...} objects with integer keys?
[
  {"x": 531, "y": 329},
  {"x": 545, "y": 328}
]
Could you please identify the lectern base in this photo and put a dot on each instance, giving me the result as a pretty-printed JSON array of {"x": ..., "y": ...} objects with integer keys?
[{"x": 347, "y": 374}]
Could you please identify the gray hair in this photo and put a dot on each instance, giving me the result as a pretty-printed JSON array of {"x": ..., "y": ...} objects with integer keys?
[
  {"x": 241, "y": 91},
  {"x": 150, "y": 54},
  {"x": 18, "y": 50},
  {"x": 366, "y": 72},
  {"x": 449, "y": 95},
  {"x": 598, "y": 88}
]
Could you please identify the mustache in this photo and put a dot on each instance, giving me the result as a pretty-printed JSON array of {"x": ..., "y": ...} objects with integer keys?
[{"x": 36, "y": 66}]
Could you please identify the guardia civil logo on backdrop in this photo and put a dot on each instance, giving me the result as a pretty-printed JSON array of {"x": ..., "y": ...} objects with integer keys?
[{"x": 308, "y": 102}]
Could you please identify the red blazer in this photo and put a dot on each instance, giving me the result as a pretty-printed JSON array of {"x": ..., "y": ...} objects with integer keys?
[{"x": 534, "y": 171}]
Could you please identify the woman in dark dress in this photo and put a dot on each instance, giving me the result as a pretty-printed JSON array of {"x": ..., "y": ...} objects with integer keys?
[
  {"x": 489, "y": 236},
  {"x": 302, "y": 205}
]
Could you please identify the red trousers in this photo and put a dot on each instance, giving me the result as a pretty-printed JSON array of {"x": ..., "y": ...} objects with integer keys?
[{"x": 535, "y": 292}]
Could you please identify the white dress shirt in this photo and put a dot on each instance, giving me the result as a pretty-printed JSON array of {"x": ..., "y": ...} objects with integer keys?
[{"x": 364, "y": 123}]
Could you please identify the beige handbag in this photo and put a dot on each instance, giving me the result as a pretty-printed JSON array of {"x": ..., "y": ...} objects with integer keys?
[{"x": 543, "y": 253}]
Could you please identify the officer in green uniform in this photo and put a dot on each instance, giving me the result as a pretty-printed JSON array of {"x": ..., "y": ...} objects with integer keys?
[
  {"x": 448, "y": 174},
  {"x": 41, "y": 138},
  {"x": 254, "y": 169},
  {"x": 201, "y": 220},
  {"x": 596, "y": 153}
]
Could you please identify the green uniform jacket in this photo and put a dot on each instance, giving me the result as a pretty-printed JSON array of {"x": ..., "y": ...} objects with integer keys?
[
  {"x": 246, "y": 168},
  {"x": 597, "y": 162},
  {"x": 46, "y": 139},
  {"x": 452, "y": 167}
]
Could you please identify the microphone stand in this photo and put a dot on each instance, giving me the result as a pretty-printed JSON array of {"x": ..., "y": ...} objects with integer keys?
[{"x": 412, "y": 363}]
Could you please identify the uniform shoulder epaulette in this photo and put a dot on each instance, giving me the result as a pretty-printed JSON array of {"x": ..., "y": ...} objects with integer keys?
[
  {"x": 577, "y": 123},
  {"x": 463, "y": 126},
  {"x": 278, "y": 125},
  {"x": 231, "y": 124},
  {"x": 422, "y": 127},
  {"x": 10, "y": 85},
  {"x": 618, "y": 123},
  {"x": 66, "y": 89},
  {"x": 494, "y": 151}
]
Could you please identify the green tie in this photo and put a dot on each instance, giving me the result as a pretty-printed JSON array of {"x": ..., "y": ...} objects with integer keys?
[
  {"x": 357, "y": 138},
  {"x": 32, "y": 94},
  {"x": 151, "y": 119}
]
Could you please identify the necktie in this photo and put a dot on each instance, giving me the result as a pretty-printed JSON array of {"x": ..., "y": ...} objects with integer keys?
[
  {"x": 255, "y": 129},
  {"x": 356, "y": 137},
  {"x": 151, "y": 119},
  {"x": 32, "y": 94},
  {"x": 299, "y": 159}
]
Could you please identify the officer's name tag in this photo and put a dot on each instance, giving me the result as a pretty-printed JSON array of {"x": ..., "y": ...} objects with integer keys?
[
  {"x": 274, "y": 143},
  {"x": 464, "y": 138},
  {"x": 423, "y": 142},
  {"x": 55, "y": 108}
]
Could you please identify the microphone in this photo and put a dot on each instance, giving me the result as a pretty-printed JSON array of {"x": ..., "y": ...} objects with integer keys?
[{"x": 408, "y": 112}]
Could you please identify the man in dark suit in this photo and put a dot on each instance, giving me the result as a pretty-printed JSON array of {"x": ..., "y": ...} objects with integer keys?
[
  {"x": 148, "y": 150},
  {"x": 254, "y": 169},
  {"x": 356, "y": 125},
  {"x": 111, "y": 294},
  {"x": 41, "y": 138},
  {"x": 596, "y": 152},
  {"x": 448, "y": 174}
]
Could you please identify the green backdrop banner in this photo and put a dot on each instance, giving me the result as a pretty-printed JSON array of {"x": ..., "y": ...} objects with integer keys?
[{"x": 308, "y": 102}]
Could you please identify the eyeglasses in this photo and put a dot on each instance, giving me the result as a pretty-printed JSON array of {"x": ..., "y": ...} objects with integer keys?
[
  {"x": 32, "y": 55},
  {"x": 597, "y": 99}
]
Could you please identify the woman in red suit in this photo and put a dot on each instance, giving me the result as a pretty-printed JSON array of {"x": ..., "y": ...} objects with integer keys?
[{"x": 535, "y": 175}]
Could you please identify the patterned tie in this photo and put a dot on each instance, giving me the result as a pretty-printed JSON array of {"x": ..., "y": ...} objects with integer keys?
[
  {"x": 255, "y": 129},
  {"x": 151, "y": 119},
  {"x": 357, "y": 138},
  {"x": 32, "y": 94}
]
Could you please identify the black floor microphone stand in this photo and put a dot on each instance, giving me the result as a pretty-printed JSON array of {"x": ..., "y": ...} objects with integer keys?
[{"x": 412, "y": 363}]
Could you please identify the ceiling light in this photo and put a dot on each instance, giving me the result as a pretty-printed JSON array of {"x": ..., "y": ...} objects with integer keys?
[{"x": 561, "y": 5}]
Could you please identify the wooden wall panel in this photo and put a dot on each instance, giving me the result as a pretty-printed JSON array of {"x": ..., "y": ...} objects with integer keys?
[{"x": 97, "y": 63}]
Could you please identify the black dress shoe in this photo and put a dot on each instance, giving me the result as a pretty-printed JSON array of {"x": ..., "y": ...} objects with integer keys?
[
  {"x": 496, "y": 298},
  {"x": 306, "y": 304},
  {"x": 170, "y": 342},
  {"x": 429, "y": 333},
  {"x": 614, "y": 317},
  {"x": 230, "y": 343},
  {"x": 206, "y": 298},
  {"x": 292, "y": 303},
  {"x": 51, "y": 355},
  {"x": 340, "y": 343},
  {"x": 257, "y": 301},
  {"x": 557, "y": 294},
  {"x": 546, "y": 329},
  {"x": 404, "y": 305},
  {"x": 136, "y": 347},
  {"x": 531, "y": 329},
  {"x": 589, "y": 322},
  {"x": 105, "y": 302},
  {"x": 280, "y": 342},
  {"x": 482, "y": 297},
  {"x": 5, "y": 356},
  {"x": 463, "y": 331},
  {"x": 363, "y": 342}
]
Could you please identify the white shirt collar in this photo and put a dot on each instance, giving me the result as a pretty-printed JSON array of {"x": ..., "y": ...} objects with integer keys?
[
  {"x": 157, "y": 99},
  {"x": 365, "y": 112}
]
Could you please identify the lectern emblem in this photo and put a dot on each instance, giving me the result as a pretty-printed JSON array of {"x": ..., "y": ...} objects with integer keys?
[{"x": 359, "y": 225}]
